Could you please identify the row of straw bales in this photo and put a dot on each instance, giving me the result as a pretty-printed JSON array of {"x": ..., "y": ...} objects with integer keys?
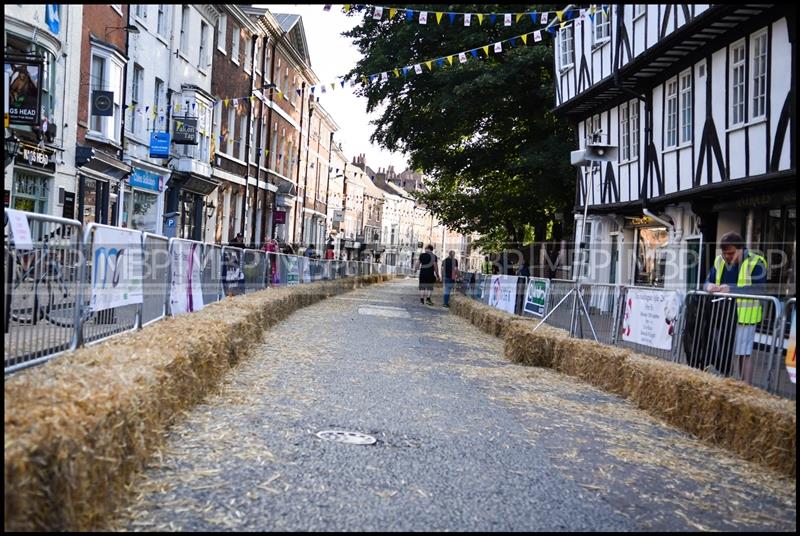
[
  {"x": 79, "y": 428},
  {"x": 756, "y": 425}
]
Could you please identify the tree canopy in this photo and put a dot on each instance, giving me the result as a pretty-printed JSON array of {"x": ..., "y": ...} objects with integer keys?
[{"x": 482, "y": 130}]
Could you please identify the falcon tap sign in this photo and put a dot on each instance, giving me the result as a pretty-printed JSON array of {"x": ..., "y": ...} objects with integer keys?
[
  {"x": 23, "y": 91},
  {"x": 185, "y": 132}
]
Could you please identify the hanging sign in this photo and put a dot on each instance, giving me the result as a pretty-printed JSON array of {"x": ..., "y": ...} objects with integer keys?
[
  {"x": 24, "y": 92},
  {"x": 103, "y": 103},
  {"x": 185, "y": 131},
  {"x": 159, "y": 145}
]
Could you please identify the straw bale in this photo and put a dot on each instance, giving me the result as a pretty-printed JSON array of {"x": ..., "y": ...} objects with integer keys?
[
  {"x": 756, "y": 425},
  {"x": 79, "y": 427}
]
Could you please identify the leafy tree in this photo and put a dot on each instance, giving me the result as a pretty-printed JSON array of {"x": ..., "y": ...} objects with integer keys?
[{"x": 482, "y": 130}]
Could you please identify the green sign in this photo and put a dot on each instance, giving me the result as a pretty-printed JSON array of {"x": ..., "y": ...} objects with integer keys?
[{"x": 536, "y": 296}]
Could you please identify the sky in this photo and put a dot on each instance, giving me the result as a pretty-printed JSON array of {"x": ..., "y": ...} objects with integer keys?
[{"x": 333, "y": 55}]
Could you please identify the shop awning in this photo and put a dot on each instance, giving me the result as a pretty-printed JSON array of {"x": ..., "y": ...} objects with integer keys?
[
  {"x": 192, "y": 182},
  {"x": 98, "y": 164}
]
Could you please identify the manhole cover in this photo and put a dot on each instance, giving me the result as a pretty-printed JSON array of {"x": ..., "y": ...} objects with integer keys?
[{"x": 343, "y": 436}]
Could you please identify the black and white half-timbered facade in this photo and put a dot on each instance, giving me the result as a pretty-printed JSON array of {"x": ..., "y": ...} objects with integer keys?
[{"x": 700, "y": 101}]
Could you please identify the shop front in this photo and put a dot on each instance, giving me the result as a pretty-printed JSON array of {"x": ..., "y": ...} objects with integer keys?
[
  {"x": 142, "y": 202},
  {"x": 186, "y": 206},
  {"x": 32, "y": 179},
  {"x": 99, "y": 178}
]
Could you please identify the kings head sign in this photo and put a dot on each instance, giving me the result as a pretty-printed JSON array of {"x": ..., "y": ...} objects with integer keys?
[{"x": 23, "y": 91}]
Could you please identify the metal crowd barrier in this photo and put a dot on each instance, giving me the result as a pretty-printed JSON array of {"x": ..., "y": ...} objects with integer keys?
[
  {"x": 254, "y": 266},
  {"x": 100, "y": 324},
  {"x": 712, "y": 339},
  {"x": 701, "y": 328},
  {"x": 155, "y": 273},
  {"x": 42, "y": 291}
]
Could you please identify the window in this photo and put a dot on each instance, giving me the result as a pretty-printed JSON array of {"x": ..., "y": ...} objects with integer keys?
[
  {"x": 231, "y": 129},
  {"x": 235, "y": 44},
  {"x": 248, "y": 54},
  {"x": 759, "y": 90},
  {"x": 259, "y": 55},
  {"x": 737, "y": 84},
  {"x": 185, "y": 28},
  {"x": 602, "y": 27},
  {"x": 278, "y": 75},
  {"x": 136, "y": 96},
  {"x": 242, "y": 134},
  {"x": 686, "y": 107},
  {"x": 566, "y": 43},
  {"x": 140, "y": 10},
  {"x": 158, "y": 90},
  {"x": 633, "y": 110},
  {"x": 671, "y": 138},
  {"x": 625, "y": 129},
  {"x": 106, "y": 75},
  {"x": 222, "y": 28},
  {"x": 203, "y": 62},
  {"x": 218, "y": 127},
  {"x": 163, "y": 20},
  {"x": 273, "y": 152}
]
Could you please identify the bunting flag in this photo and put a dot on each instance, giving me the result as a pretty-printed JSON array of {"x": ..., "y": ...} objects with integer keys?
[
  {"x": 396, "y": 73},
  {"x": 486, "y": 50},
  {"x": 462, "y": 57},
  {"x": 417, "y": 69},
  {"x": 498, "y": 47},
  {"x": 450, "y": 60},
  {"x": 428, "y": 63},
  {"x": 543, "y": 17},
  {"x": 525, "y": 38}
]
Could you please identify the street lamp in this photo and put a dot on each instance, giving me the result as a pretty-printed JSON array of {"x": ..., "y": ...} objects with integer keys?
[
  {"x": 11, "y": 148},
  {"x": 130, "y": 28}
]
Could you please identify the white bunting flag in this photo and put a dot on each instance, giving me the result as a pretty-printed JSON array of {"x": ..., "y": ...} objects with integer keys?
[
  {"x": 507, "y": 19},
  {"x": 417, "y": 69},
  {"x": 378, "y": 13},
  {"x": 498, "y": 47},
  {"x": 583, "y": 14},
  {"x": 462, "y": 57},
  {"x": 467, "y": 19},
  {"x": 384, "y": 77},
  {"x": 537, "y": 36},
  {"x": 423, "y": 17},
  {"x": 544, "y": 17}
]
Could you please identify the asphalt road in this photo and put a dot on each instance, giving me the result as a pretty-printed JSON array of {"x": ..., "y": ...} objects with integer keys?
[{"x": 466, "y": 441}]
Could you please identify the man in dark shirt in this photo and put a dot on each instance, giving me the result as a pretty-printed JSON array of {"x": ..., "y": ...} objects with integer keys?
[{"x": 449, "y": 275}]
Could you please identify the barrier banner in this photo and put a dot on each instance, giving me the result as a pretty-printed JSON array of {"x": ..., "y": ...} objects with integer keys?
[
  {"x": 186, "y": 292},
  {"x": 292, "y": 270},
  {"x": 503, "y": 292},
  {"x": 116, "y": 268},
  {"x": 650, "y": 317},
  {"x": 306, "y": 267},
  {"x": 791, "y": 352},
  {"x": 536, "y": 296}
]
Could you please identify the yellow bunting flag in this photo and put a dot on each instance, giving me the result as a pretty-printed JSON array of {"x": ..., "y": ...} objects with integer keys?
[
  {"x": 439, "y": 17},
  {"x": 397, "y": 73},
  {"x": 519, "y": 16},
  {"x": 480, "y": 18},
  {"x": 560, "y": 15},
  {"x": 347, "y": 8},
  {"x": 392, "y": 11},
  {"x": 563, "y": 25},
  {"x": 524, "y": 38},
  {"x": 450, "y": 60},
  {"x": 486, "y": 50},
  {"x": 333, "y": 86},
  {"x": 226, "y": 101},
  {"x": 428, "y": 63}
]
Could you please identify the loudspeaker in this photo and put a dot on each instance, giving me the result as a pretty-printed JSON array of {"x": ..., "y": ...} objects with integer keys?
[{"x": 599, "y": 152}]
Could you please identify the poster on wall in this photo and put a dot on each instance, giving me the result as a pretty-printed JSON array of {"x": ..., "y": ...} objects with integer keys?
[
  {"x": 791, "y": 352},
  {"x": 186, "y": 292},
  {"x": 536, "y": 296},
  {"x": 503, "y": 292},
  {"x": 116, "y": 268},
  {"x": 650, "y": 317}
]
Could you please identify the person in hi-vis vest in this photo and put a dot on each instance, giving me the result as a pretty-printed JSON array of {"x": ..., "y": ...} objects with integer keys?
[{"x": 740, "y": 271}]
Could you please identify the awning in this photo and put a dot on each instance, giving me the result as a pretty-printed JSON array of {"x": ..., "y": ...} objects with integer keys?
[
  {"x": 192, "y": 182},
  {"x": 97, "y": 164}
]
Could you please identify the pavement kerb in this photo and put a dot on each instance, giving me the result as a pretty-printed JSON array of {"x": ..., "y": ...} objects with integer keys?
[
  {"x": 724, "y": 412},
  {"x": 78, "y": 428}
]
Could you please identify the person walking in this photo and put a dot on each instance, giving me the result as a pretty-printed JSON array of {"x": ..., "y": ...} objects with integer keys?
[
  {"x": 428, "y": 268},
  {"x": 740, "y": 271},
  {"x": 449, "y": 275}
]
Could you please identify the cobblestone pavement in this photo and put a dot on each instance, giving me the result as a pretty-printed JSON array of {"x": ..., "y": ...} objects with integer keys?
[{"x": 465, "y": 441}]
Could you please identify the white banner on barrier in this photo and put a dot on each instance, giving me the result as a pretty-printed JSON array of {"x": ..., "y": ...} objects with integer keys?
[
  {"x": 503, "y": 292},
  {"x": 116, "y": 268},
  {"x": 292, "y": 271},
  {"x": 650, "y": 317},
  {"x": 186, "y": 292}
]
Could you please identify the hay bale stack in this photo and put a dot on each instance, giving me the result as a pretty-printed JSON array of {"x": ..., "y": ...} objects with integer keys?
[
  {"x": 79, "y": 427},
  {"x": 756, "y": 425}
]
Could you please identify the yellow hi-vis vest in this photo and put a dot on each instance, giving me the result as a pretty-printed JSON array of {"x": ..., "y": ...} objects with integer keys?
[{"x": 747, "y": 311}]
